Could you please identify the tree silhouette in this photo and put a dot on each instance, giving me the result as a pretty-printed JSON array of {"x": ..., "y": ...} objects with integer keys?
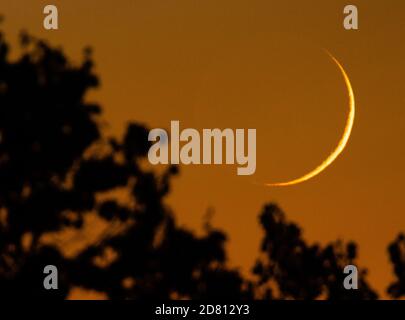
[
  {"x": 51, "y": 181},
  {"x": 300, "y": 271},
  {"x": 396, "y": 252},
  {"x": 56, "y": 167}
]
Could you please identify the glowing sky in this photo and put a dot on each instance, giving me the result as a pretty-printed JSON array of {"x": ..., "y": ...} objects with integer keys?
[{"x": 258, "y": 64}]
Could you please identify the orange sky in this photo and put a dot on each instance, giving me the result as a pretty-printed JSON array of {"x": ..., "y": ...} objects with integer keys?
[{"x": 257, "y": 64}]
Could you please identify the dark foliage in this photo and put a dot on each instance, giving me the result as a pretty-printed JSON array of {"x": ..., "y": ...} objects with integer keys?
[
  {"x": 396, "y": 252},
  {"x": 301, "y": 271},
  {"x": 47, "y": 169}
]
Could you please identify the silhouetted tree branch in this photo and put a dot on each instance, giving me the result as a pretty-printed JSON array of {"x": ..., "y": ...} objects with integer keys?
[
  {"x": 396, "y": 251},
  {"x": 47, "y": 171},
  {"x": 297, "y": 270}
]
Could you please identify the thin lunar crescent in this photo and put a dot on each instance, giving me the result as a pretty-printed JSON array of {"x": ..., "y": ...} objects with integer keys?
[{"x": 342, "y": 143}]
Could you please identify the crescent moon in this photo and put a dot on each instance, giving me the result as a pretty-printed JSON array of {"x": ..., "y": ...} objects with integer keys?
[{"x": 343, "y": 141}]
